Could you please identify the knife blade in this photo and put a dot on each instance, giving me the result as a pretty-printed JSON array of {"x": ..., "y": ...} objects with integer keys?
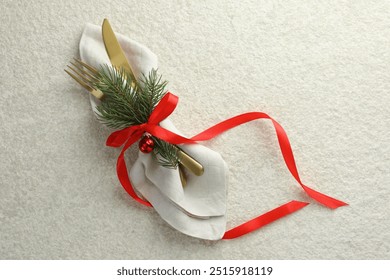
[
  {"x": 119, "y": 60},
  {"x": 114, "y": 50}
]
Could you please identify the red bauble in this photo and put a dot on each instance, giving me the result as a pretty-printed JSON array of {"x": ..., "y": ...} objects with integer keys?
[{"x": 146, "y": 144}]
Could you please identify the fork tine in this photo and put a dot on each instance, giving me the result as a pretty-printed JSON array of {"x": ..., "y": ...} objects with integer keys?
[
  {"x": 89, "y": 67},
  {"x": 81, "y": 82},
  {"x": 83, "y": 71},
  {"x": 83, "y": 77}
]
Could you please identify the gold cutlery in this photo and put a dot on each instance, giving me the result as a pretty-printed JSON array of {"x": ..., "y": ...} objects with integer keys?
[
  {"x": 118, "y": 59},
  {"x": 85, "y": 75}
]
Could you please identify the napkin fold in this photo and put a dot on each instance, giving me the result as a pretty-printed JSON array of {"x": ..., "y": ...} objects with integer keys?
[{"x": 198, "y": 209}]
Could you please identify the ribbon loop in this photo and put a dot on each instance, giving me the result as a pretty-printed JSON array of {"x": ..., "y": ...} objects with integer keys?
[
  {"x": 163, "y": 109},
  {"x": 118, "y": 138}
]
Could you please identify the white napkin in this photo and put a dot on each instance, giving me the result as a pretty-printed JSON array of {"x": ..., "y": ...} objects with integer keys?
[{"x": 197, "y": 209}]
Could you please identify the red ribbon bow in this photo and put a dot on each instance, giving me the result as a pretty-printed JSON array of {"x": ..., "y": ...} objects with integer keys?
[{"x": 165, "y": 107}]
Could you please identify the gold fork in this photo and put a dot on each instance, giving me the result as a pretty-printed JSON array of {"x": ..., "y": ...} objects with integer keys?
[
  {"x": 84, "y": 78},
  {"x": 85, "y": 74}
]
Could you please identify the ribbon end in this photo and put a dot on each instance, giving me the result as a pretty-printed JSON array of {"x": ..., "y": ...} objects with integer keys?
[
  {"x": 265, "y": 219},
  {"x": 336, "y": 204},
  {"x": 300, "y": 204},
  {"x": 325, "y": 200}
]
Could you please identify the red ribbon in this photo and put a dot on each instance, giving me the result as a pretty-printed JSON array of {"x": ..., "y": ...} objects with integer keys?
[{"x": 166, "y": 106}]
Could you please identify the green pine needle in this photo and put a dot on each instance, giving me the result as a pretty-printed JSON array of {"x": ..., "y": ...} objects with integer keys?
[{"x": 123, "y": 105}]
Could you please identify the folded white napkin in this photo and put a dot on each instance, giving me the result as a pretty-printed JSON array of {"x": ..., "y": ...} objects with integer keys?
[{"x": 197, "y": 209}]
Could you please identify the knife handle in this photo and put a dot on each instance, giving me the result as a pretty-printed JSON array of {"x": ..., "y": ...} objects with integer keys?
[{"x": 190, "y": 163}]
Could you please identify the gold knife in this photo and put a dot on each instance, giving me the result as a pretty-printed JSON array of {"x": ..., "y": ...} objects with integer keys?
[
  {"x": 119, "y": 60},
  {"x": 114, "y": 50}
]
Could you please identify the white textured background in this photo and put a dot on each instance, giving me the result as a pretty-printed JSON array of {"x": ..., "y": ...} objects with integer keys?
[{"x": 321, "y": 68}]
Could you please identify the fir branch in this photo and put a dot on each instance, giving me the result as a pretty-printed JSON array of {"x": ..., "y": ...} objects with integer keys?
[
  {"x": 124, "y": 105},
  {"x": 165, "y": 153}
]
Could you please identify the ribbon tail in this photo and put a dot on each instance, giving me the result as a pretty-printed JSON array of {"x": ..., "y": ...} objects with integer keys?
[
  {"x": 288, "y": 157},
  {"x": 265, "y": 219},
  {"x": 285, "y": 148},
  {"x": 327, "y": 201},
  {"x": 122, "y": 173}
]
